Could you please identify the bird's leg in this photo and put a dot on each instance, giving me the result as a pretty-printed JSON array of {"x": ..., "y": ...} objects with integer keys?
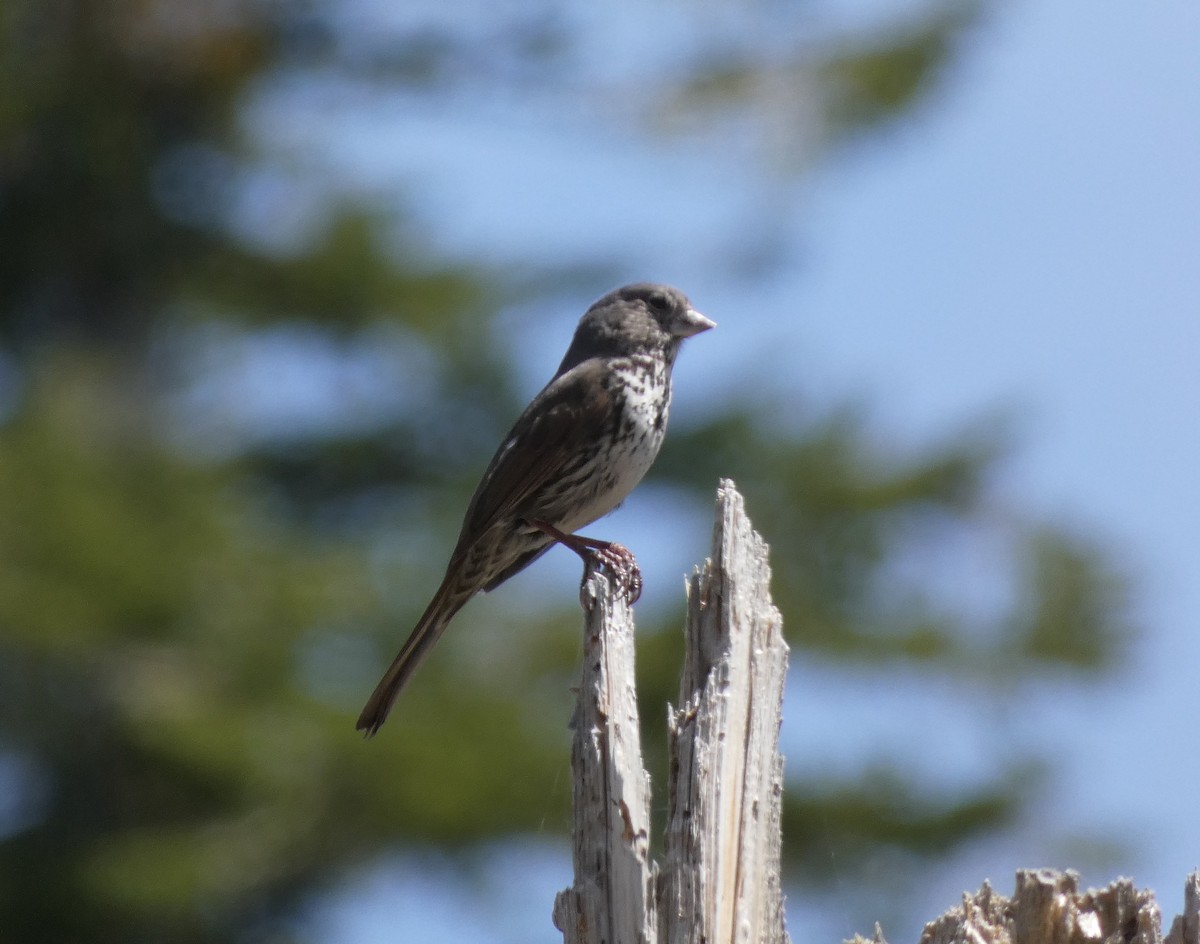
[{"x": 616, "y": 558}]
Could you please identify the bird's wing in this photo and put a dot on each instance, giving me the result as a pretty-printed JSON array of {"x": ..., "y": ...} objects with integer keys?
[{"x": 568, "y": 414}]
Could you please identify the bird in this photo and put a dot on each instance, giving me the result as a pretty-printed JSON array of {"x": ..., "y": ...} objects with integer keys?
[{"x": 579, "y": 448}]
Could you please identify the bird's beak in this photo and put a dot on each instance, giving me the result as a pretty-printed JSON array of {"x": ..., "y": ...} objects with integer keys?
[{"x": 692, "y": 323}]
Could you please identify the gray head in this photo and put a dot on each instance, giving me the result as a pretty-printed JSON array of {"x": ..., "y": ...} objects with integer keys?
[{"x": 637, "y": 319}]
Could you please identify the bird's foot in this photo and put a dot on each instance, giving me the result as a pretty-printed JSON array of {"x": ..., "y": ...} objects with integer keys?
[
  {"x": 615, "y": 558},
  {"x": 619, "y": 561}
]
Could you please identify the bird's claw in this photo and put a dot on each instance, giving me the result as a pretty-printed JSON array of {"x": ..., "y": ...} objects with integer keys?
[{"x": 619, "y": 561}]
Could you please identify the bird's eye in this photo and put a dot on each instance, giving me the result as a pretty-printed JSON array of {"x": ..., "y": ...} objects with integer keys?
[{"x": 658, "y": 301}]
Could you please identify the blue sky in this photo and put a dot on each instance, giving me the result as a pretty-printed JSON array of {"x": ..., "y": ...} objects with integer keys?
[
  {"x": 1028, "y": 243},
  {"x": 1054, "y": 208}
]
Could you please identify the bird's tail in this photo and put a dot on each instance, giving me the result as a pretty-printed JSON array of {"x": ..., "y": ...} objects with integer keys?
[{"x": 450, "y": 598}]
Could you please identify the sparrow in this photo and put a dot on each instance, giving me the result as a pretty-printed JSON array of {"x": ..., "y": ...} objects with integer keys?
[{"x": 572, "y": 456}]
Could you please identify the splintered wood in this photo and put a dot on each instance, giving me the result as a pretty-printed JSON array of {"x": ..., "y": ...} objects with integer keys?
[{"x": 720, "y": 878}]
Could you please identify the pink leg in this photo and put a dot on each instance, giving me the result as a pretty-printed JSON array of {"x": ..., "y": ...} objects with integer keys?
[{"x": 614, "y": 557}]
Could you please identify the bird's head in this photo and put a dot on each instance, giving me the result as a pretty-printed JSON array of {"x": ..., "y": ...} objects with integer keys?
[{"x": 643, "y": 318}]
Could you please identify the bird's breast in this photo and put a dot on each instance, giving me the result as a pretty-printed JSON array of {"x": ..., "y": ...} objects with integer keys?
[{"x": 641, "y": 394}]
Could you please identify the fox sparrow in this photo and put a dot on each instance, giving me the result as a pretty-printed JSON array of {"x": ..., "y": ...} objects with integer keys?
[{"x": 578, "y": 449}]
